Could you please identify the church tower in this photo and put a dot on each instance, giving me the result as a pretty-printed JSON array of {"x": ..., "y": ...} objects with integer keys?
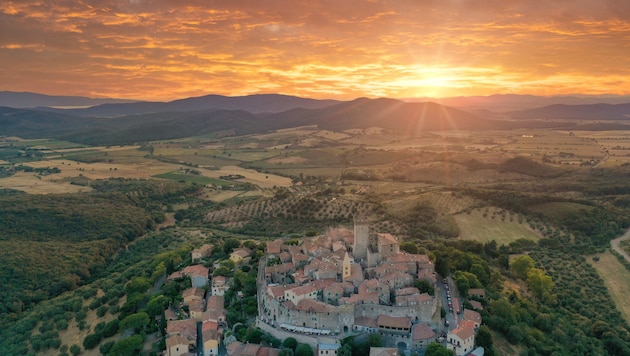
[{"x": 361, "y": 238}]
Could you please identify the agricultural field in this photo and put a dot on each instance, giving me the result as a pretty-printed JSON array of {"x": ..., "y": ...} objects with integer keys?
[
  {"x": 617, "y": 280},
  {"x": 485, "y": 225},
  {"x": 561, "y": 210},
  {"x": 615, "y": 144},
  {"x": 33, "y": 184}
]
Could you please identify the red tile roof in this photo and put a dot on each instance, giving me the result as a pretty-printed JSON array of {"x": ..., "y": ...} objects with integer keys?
[
  {"x": 464, "y": 330},
  {"x": 422, "y": 331},
  {"x": 394, "y": 321}
]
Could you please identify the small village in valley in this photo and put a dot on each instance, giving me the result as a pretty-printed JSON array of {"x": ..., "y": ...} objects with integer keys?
[{"x": 322, "y": 290}]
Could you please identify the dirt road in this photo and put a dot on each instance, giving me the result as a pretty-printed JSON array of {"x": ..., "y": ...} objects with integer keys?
[{"x": 616, "y": 242}]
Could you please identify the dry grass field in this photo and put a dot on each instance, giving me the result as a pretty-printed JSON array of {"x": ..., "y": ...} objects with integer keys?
[
  {"x": 559, "y": 147},
  {"x": 615, "y": 143},
  {"x": 617, "y": 280},
  {"x": 32, "y": 184},
  {"x": 475, "y": 226}
]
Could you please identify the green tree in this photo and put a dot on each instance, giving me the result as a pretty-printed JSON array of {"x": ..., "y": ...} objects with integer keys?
[
  {"x": 480, "y": 273},
  {"x": 290, "y": 343},
  {"x": 127, "y": 347},
  {"x": 230, "y": 244},
  {"x": 484, "y": 338},
  {"x": 286, "y": 351},
  {"x": 75, "y": 350},
  {"x": 435, "y": 349},
  {"x": 92, "y": 340},
  {"x": 409, "y": 247},
  {"x": 442, "y": 266},
  {"x": 254, "y": 335},
  {"x": 304, "y": 350},
  {"x": 521, "y": 265},
  {"x": 425, "y": 286},
  {"x": 157, "y": 305},
  {"x": 135, "y": 321},
  {"x": 541, "y": 285},
  {"x": 111, "y": 328},
  {"x": 138, "y": 285}
]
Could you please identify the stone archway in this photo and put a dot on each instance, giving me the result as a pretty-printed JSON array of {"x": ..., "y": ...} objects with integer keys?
[{"x": 402, "y": 347}]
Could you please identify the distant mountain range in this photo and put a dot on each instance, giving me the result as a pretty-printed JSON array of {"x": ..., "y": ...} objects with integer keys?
[
  {"x": 575, "y": 112},
  {"x": 274, "y": 103},
  {"x": 81, "y": 106},
  {"x": 23, "y": 100},
  {"x": 109, "y": 124},
  {"x": 501, "y": 103}
]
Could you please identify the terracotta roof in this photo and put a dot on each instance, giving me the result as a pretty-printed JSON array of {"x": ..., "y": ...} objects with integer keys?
[
  {"x": 397, "y": 275},
  {"x": 210, "y": 325},
  {"x": 209, "y": 334},
  {"x": 170, "y": 314},
  {"x": 193, "y": 292},
  {"x": 368, "y": 322},
  {"x": 334, "y": 288},
  {"x": 386, "y": 239},
  {"x": 186, "y": 328},
  {"x": 196, "y": 270},
  {"x": 299, "y": 257},
  {"x": 288, "y": 304},
  {"x": 472, "y": 316},
  {"x": 404, "y": 300},
  {"x": 383, "y": 351},
  {"x": 315, "y": 306},
  {"x": 273, "y": 247},
  {"x": 321, "y": 284},
  {"x": 176, "y": 340},
  {"x": 250, "y": 350},
  {"x": 464, "y": 330},
  {"x": 242, "y": 252},
  {"x": 302, "y": 290},
  {"x": 422, "y": 331},
  {"x": 204, "y": 249},
  {"x": 285, "y": 256},
  {"x": 268, "y": 351},
  {"x": 278, "y": 291},
  {"x": 407, "y": 291},
  {"x": 394, "y": 321},
  {"x": 235, "y": 348},
  {"x": 283, "y": 267},
  {"x": 475, "y": 304},
  {"x": 196, "y": 305},
  {"x": 216, "y": 302}
]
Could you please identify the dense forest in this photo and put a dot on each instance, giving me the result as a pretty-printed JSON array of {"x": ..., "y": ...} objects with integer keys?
[{"x": 50, "y": 244}]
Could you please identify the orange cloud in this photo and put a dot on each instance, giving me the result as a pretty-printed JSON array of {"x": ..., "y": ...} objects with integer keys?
[{"x": 161, "y": 50}]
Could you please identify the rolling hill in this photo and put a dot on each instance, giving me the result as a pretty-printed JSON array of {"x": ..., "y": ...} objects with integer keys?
[
  {"x": 411, "y": 118},
  {"x": 576, "y": 112},
  {"x": 33, "y": 100},
  {"x": 262, "y": 103}
]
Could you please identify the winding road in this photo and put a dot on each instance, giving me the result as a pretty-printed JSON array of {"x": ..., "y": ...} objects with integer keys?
[{"x": 615, "y": 244}]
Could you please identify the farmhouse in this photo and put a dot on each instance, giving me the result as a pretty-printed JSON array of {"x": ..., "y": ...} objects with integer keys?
[
  {"x": 241, "y": 255},
  {"x": 202, "y": 252},
  {"x": 462, "y": 339}
]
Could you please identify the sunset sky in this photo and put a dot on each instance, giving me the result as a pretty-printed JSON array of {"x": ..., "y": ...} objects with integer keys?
[{"x": 169, "y": 49}]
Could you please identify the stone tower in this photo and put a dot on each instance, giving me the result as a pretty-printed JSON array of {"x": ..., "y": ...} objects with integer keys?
[{"x": 361, "y": 238}]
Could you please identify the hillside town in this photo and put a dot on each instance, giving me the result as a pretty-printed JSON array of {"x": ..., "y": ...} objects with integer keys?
[{"x": 323, "y": 289}]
